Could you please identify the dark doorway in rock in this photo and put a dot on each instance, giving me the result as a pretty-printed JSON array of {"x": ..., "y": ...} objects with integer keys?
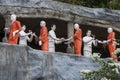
[
  {"x": 2, "y": 25},
  {"x": 34, "y": 25},
  {"x": 101, "y": 34}
]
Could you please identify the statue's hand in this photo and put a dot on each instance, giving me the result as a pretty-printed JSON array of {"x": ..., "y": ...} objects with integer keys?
[
  {"x": 40, "y": 43},
  {"x": 104, "y": 42},
  {"x": 33, "y": 34},
  {"x": 100, "y": 42},
  {"x": 14, "y": 34},
  {"x": 62, "y": 39},
  {"x": 68, "y": 42}
]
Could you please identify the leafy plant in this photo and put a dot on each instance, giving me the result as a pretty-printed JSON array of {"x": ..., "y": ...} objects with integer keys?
[
  {"x": 109, "y": 71},
  {"x": 111, "y": 4},
  {"x": 117, "y": 53}
]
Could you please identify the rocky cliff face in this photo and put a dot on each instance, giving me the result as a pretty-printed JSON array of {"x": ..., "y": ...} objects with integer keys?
[
  {"x": 48, "y": 9},
  {"x": 25, "y": 63},
  {"x": 97, "y": 13}
]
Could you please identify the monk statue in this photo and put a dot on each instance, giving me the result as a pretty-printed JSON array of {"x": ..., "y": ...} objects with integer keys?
[
  {"x": 111, "y": 42},
  {"x": 43, "y": 38},
  {"x": 77, "y": 39},
  {"x": 24, "y": 37},
  {"x": 15, "y": 27},
  {"x": 53, "y": 39}
]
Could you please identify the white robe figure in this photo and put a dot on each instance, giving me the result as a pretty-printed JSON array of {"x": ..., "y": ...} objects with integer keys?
[
  {"x": 88, "y": 45},
  {"x": 53, "y": 40},
  {"x": 23, "y": 38}
]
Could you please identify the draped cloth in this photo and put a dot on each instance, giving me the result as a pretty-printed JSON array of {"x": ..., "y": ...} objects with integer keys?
[
  {"x": 44, "y": 38},
  {"x": 88, "y": 40},
  {"x": 53, "y": 40},
  {"x": 13, "y": 27},
  {"x": 111, "y": 44},
  {"x": 77, "y": 41}
]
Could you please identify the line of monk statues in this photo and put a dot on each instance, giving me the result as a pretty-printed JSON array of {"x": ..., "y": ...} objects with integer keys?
[{"x": 47, "y": 40}]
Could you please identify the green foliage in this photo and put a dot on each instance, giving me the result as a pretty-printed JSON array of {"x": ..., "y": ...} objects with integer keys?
[
  {"x": 111, "y": 4},
  {"x": 109, "y": 71},
  {"x": 117, "y": 53},
  {"x": 114, "y": 4}
]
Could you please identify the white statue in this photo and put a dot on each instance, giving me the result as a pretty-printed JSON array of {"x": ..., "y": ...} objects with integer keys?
[
  {"x": 53, "y": 39},
  {"x": 88, "y": 40},
  {"x": 24, "y": 36}
]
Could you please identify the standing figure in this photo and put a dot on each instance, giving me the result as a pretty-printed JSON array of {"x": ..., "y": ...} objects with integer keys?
[
  {"x": 15, "y": 27},
  {"x": 77, "y": 39},
  {"x": 111, "y": 41},
  {"x": 88, "y": 40},
  {"x": 53, "y": 39},
  {"x": 5, "y": 39},
  {"x": 24, "y": 36},
  {"x": 43, "y": 38}
]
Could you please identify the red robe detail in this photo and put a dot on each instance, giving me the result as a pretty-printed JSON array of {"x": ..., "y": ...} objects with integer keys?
[
  {"x": 111, "y": 44},
  {"x": 44, "y": 38},
  {"x": 78, "y": 41},
  {"x": 13, "y": 27}
]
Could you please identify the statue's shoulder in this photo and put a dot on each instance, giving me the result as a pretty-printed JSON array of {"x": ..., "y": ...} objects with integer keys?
[{"x": 17, "y": 21}]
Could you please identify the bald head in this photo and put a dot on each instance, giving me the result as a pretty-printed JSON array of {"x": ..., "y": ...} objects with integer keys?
[
  {"x": 110, "y": 30},
  {"x": 13, "y": 17},
  {"x": 76, "y": 26},
  {"x": 42, "y": 23}
]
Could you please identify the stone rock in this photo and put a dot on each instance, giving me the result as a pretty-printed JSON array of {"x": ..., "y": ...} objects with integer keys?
[
  {"x": 98, "y": 13},
  {"x": 98, "y": 17},
  {"x": 25, "y": 63}
]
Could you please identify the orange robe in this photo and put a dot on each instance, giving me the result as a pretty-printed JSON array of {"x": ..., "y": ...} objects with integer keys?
[
  {"x": 13, "y": 27},
  {"x": 44, "y": 38},
  {"x": 111, "y": 44},
  {"x": 78, "y": 41}
]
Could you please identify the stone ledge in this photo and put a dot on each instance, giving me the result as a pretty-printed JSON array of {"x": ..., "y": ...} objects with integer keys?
[{"x": 25, "y": 63}]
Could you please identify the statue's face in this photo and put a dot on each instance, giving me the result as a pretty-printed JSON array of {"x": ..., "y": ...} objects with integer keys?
[
  {"x": 13, "y": 17},
  {"x": 54, "y": 27},
  {"x": 24, "y": 28},
  {"x": 89, "y": 33}
]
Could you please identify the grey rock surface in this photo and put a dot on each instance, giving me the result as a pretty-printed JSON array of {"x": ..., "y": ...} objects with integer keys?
[
  {"x": 98, "y": 13},
  {"x": 25, "y": 63},
  {"x": 50, "y": 9}
]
